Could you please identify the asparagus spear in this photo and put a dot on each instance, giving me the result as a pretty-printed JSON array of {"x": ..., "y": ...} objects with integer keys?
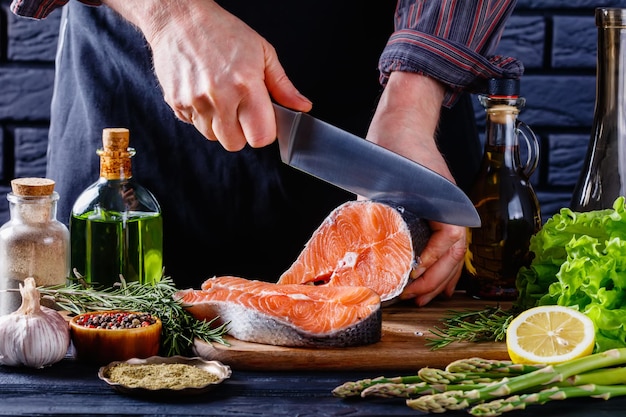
[
  {"x": 490, "y": 365},
  {"x": 519, "y": 402},
  {"x": 605, "y": 376},
  {"x": 426, "y": 375},
  {"x": 440, "y": 376},
  {"x": 391, "y": 390},
  {"x": 456, "y": 400},
  {"x": 354, "y": 388}
]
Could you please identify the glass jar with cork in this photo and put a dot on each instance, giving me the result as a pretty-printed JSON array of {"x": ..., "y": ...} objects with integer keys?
[
  {"x": 33, "y": 243},
  {"x": 116, "y": 226}
]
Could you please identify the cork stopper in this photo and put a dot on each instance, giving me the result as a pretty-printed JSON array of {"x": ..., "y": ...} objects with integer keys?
[
  {"x": 32, "y": 187},
  {"x": 115, "y": 139},
  {"x": 115, "y": 154}
]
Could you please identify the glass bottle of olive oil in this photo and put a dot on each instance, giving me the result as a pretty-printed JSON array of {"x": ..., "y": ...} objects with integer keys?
[
  {"x": 116, "y": 226},
  {"x": 503, "y": 196}
]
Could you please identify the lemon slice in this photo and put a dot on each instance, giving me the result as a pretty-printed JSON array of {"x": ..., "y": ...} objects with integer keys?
[{"x": 549, "y": 334}]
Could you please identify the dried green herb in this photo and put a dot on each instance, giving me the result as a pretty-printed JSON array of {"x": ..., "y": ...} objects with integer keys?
[{"x": 160, "y": 376}]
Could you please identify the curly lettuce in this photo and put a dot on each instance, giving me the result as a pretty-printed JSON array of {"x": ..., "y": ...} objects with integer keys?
[{"x": 580, "y": 261}]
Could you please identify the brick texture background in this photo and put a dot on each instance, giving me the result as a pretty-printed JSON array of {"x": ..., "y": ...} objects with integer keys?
[{"x": 555, "y": 39}]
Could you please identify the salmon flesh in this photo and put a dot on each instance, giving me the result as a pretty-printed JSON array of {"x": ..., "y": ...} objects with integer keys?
[
  {"x": 288, "y": 315},
  {"x": 362, "y": 243}
]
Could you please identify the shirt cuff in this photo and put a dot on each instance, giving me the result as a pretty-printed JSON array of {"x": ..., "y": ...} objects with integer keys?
[
  {"x": 41, "y": 9},
  {"x": 454, "y": 64},
  {"x": 451, "y": 41}
]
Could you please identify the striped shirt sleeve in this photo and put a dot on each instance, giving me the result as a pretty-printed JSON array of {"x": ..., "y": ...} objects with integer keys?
[
  {"x": 451, "y": 41},
  {"x": 39, "y": 9}
]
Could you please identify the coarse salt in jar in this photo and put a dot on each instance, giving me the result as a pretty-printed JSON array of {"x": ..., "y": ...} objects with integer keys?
[{"x": 33, "y": 243}]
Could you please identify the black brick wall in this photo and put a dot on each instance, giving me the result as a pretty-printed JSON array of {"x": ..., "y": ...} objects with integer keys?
[{"x": 555, "y": 39}]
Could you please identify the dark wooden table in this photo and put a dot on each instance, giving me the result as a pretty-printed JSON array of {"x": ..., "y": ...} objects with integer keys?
[{"x": 70, "y": 388}]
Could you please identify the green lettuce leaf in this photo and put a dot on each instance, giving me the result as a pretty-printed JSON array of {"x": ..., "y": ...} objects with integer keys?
[{"x": 580, "y": 261}]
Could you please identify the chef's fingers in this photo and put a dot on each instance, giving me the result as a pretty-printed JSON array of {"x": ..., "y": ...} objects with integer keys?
[
  {"x": 204, "y": 126},
  {"x": 218, "y": 120},
  {"x": 183, "y": 115},
  {"x": 250, "y": 123},
  {"x": 440, "y": 278},
  {"x": 201, "y": 115},
  {"x": 445, "y": 240},
  {"x": 225, "y": 123},
  {"x": 445, "y": 288},
  {"x": 440, "y": 266},
  {"x": 279, "y": 86},
  {"x": 257, "y": 119},
  {"x": 228, "y": 132}
]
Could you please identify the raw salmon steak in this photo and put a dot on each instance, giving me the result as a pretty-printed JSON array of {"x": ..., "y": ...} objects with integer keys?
[
  {"x": 362, "y": 243},
  {"x": 288, "y": 315}
]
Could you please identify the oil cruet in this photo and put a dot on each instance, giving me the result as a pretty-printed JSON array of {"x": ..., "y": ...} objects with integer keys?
[{"x": 503, "y": 196}]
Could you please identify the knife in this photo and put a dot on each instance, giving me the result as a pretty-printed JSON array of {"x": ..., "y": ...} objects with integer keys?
[{"x": 369, "y": 170}]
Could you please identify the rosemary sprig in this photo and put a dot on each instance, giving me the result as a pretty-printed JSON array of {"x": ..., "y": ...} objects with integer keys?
[
  {"x": 180, "y": 328},
  {"x": 486, "y": 325}
]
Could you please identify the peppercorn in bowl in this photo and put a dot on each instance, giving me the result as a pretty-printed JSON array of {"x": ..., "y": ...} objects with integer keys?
[{"x": 104, "y": 336}]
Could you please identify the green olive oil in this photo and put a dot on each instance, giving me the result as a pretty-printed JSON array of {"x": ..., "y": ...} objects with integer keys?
[
  {"x": 116, "y": 228},
  {"x": 103, "y": 248}
]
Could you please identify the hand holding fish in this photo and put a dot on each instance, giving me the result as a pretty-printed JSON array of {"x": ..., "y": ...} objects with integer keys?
[{"x": 405, "y": 122}]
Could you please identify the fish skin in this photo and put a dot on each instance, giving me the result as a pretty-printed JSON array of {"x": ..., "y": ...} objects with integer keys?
[
  {"x": 331, "y": 266},
  {"x": 418, "y": 227},
  {"x": 248, "y": 322}
]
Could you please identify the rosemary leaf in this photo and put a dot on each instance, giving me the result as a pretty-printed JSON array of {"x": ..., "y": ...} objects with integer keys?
[
  {"x": 180, "y": 328},
  {"x": 486, "y": 325}
]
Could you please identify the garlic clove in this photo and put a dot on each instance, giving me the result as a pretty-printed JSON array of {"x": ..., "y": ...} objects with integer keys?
[{"x": 34, "y": 336}]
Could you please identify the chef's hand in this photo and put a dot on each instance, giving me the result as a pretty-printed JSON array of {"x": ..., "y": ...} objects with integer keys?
[
  {"x": 406, "y": 122},
  {"x": 215, "y": 71}
]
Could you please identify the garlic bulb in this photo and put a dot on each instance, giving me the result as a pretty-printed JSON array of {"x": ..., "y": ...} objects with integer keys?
[{"x": 33, "y": 335}]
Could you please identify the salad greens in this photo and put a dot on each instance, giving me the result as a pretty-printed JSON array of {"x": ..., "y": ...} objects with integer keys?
[{"x": 580, "y": 261}]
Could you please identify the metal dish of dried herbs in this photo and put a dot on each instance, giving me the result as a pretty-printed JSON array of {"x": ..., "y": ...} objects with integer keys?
[{"x": 164, "y": 376}]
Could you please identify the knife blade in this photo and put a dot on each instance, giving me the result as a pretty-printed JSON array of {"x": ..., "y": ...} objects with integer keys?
[{"x": 369, "y": 170}]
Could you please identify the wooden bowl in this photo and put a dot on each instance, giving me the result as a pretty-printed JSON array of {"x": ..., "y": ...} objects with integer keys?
[{"x": 101, "y": 346}]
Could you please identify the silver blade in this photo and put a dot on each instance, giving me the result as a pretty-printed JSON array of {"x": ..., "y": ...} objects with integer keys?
[{"x": 364, "y": 168}]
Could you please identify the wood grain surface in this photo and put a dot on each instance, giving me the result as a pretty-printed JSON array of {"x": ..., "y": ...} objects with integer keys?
[{"x": 406, "y": 329}]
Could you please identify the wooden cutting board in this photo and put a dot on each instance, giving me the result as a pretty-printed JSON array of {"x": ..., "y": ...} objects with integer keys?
[{"x": 406, "y": 329}]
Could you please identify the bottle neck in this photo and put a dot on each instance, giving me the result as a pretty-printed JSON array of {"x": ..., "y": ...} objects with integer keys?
[
  {"x": 610, "y": 80},
  {"x": 501, "y": 145},
  {"x": 116, "y": 165},
  {"x": 500, "y": 126},
  {"x": 501, "y": 120}
]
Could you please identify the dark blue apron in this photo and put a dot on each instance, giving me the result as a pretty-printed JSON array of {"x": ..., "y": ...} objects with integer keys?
[{"x": 243, "y": 213}]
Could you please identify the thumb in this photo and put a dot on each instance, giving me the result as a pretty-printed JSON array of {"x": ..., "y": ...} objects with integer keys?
[{"x": 280, "y": 86}]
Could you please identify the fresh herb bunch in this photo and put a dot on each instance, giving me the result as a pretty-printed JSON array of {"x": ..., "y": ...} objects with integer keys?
[
  {"x": 180, "y": 328},
  {"x": 487, "y": 325}
]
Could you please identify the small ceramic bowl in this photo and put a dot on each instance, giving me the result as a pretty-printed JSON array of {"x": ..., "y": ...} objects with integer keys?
[
  {"x": 220, "y": 372},
  {"x": 101, "y": 346}
]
